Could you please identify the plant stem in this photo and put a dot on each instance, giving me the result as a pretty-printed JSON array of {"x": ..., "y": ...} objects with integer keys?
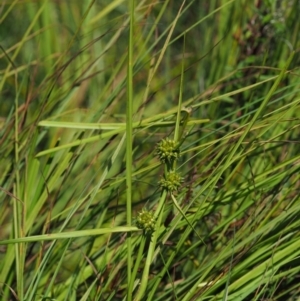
[
  {"x": 129, "y": 111},
  {"x": 145, "y": 276}
]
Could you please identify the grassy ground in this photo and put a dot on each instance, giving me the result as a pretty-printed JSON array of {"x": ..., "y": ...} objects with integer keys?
[{"x": 149, "y": 150}]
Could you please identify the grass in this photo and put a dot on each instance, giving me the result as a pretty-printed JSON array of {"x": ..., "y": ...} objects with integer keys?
[{"x": 89, "y": 90}]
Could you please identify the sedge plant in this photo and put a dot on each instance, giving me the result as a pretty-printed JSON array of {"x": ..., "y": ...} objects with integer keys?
[{"x": 149, "y": 150}]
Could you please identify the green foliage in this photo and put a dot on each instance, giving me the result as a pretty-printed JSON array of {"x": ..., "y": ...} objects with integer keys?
[{"x": 100, "y": 100}]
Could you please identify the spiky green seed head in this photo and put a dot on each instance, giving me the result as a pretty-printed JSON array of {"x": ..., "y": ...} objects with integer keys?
[
  {"x": 145, "y": 220},
  {"x": 171, "y": 182},
  {"x": 168, "y": 150}
]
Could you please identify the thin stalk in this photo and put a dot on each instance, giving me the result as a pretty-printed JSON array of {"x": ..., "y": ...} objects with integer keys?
[
  {"x": 177, "y": 126},
  {"x": 18, "y": 209},
  {"x": 129, "y": 111},
  {"x": 158, "y": 214},
  {"x": 161, "y": 55},
  {"x": 137, "y": 261}
]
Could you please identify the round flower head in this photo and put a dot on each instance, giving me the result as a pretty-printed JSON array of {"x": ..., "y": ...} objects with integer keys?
[
  {"x": 168, "y": 150},
  {"x": 145, "y": 220},
  {"x": 171, "y": 182}
]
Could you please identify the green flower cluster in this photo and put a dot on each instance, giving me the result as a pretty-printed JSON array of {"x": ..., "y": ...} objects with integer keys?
[
  {"x": 168, "y": 150},
  {"x": 171, "y": 182},
  {"x": 146, "y": 221}
]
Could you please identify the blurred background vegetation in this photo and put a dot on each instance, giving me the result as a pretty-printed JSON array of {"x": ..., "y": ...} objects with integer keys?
[{"x": 63, "y": 77}]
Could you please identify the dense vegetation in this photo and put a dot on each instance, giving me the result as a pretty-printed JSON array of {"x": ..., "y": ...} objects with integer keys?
[{"x": 149, "y": 150}]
